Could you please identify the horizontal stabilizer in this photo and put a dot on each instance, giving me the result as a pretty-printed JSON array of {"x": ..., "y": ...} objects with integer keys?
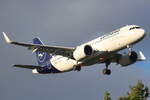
[{"x": 26, "y": 66}]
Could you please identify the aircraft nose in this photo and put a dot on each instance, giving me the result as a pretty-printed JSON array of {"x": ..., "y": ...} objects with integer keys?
[{"x": 142, "y": 33}]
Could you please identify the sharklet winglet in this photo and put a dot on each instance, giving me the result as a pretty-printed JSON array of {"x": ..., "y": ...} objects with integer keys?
[
  {"x": 6, "y": 38},
  {"x": 142, "y": 57}
]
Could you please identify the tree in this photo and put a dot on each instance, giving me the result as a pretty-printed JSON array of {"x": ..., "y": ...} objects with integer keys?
[
  {"x": 137, "y": 92},
  {"x": 107, "y": 96}
]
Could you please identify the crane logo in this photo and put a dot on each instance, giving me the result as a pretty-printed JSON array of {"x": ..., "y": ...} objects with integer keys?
[{"x": 41, "y": 56}]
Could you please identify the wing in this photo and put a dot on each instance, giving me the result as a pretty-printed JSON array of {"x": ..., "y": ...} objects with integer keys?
[
  {"x": 58, "y": 50},
  {"x": 26, "y": 66}
]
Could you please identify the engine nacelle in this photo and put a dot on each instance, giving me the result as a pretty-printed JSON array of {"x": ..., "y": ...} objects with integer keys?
[
  {"x": 82, "y": 52},
  {"x": 128, "y": 59}
]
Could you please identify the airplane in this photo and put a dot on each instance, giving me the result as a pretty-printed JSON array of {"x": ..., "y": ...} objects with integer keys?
[{"x": 102, "y": 50}]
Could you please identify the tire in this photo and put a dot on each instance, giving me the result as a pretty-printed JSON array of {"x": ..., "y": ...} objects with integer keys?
[{"x": 106, "y": 71}]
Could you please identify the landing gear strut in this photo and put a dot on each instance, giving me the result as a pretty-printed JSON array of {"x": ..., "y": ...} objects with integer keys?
[
  {"x": 129, "y": 48},
  {"x": 107, "y": 71}
]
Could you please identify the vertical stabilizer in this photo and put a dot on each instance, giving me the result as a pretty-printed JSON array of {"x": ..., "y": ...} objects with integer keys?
[{"x": 43, "y": 58}]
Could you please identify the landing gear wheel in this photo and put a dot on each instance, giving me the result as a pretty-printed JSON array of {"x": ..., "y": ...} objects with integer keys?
[
  {"x": 106, "y": 71},
  {"x": 78, "y": 68}
]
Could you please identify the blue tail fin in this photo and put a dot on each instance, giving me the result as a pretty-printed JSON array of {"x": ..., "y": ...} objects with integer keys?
[{"x": 43, "y": 58}]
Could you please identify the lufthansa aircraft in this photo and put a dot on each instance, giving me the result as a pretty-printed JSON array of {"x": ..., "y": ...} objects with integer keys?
[{"x": 104, "y": 49}]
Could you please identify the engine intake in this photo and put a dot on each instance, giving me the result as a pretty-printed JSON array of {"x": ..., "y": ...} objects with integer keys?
[
  {"x": 133, "y": 56},
  {"x": 88, "y": 50},
  {"x": 82, "y": 52}
]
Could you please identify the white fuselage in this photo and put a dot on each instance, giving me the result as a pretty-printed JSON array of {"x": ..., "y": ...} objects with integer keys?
[{"x": 110, "y": 43}]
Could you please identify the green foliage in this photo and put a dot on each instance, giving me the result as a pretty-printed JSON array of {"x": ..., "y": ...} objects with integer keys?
[
  {"x": 137, "y": 92},
  {"x": 107, "y": 96}
]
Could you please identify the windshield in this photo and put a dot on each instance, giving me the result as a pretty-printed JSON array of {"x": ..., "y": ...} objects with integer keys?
[{"x": 137, "y": 27}]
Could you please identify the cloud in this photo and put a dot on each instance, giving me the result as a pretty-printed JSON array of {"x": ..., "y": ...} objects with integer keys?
[{"x": 67, "y": 23}]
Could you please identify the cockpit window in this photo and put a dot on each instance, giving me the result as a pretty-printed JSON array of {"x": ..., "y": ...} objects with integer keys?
[{"x": 134, "y": 28}]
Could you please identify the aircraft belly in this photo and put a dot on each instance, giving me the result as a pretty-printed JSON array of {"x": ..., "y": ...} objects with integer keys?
[
  {"x": 91, "y": 61},
  {"x": 63, "y": 64}
]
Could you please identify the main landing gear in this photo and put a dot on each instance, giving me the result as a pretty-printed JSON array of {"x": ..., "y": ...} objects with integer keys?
[
  {"x": 107, "y": 71},
  {"x": 78, "y": 68}
]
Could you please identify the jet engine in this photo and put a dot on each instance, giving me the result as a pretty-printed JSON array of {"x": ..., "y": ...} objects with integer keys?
[
  {"x": 126, "y": 60},
  {"x": 82, "y": 52}
]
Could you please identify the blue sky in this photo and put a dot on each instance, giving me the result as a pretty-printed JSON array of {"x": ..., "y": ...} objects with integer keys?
[{"x": 68, "y": 23}]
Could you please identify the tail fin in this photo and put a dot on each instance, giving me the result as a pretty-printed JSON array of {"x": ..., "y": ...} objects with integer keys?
[{"x": 43, "y": 58}]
